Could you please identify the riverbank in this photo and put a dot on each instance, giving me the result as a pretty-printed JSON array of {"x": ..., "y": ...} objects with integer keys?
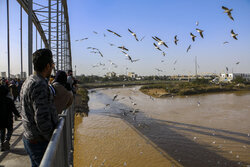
[
  {"x": 187, "y": 88},
  {"x": 81, "y": 101},
  {"x": 122, "y": 83}
]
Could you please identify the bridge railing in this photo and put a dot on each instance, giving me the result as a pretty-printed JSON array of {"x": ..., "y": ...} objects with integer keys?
[{"x": 60, "y": 147}]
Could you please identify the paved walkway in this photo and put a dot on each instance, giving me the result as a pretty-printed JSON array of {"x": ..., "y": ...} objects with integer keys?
[{"x": 16, "y": 156}]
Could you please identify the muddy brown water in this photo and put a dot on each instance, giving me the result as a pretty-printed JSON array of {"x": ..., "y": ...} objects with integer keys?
[{"x": 138, "y": 131}]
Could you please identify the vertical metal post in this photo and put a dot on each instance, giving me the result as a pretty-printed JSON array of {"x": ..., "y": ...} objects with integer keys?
[
  {"x": 41, "y": 43},
  {"x": 49, "y": 23},
  {"x": 196, "y": 66},
  {"x": 21, "y": 39},
  {"x": 61, "y": 36},
  {"x": 75, "y": 70},
  {"x": 36, "y": 39},
  {"x": 8, "y": 38},
  {"x": 30, "y": 35},
  {"x": 65, "y": 43},
  {"x": 57, "y": 33}
]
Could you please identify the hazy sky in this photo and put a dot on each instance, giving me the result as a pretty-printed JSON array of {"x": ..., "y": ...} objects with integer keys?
[{"x": 162, "y": 18}]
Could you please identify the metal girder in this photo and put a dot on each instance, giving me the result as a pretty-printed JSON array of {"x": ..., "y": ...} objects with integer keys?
[
  {"x": 24, "y": 4},
  {"x": 64, "y": 2},
  {"x": 52, "y": 24}
]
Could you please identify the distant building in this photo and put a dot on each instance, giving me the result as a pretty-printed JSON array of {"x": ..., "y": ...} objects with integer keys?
[
  {"x": 132, "y": 75},
  {"x": 3, "y": 75},
  {"x": 231, "y": 76},
  {"x": 111, "y": 74}
]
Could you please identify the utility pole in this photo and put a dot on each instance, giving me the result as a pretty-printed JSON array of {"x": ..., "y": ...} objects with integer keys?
[
  {"x": 8, "y": 38},
  {"x": 196, "y": 66},
  {"x": 30, "y": 35},
  {"x": 75, "y": 70},
  {"x": 21, "y": 39}
]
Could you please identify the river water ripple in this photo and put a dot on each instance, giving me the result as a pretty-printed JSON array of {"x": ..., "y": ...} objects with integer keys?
[{"x": 138, "y": 131}]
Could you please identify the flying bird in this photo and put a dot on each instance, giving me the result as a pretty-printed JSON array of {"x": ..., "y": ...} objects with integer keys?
[
  {"x": 157, "y": 47},
  {"x": 228, "y": 11},
  {"x": 123, "y": 48},
  {"x": 83, "y": 39},
  {"x": 115, "y": 96},
  {"x": 142, "y": 38},
  {"x": 227, "y": 69},
  {"x": 189, "y": 47},
  {"x": 234, "y": 35},
  {"x": 237, "y": 63},
  {"x": 129, "y": 57},
  {"x": 159, "y": 70},
  {"x": 95, "y": 32},
  {"x": 197, "y": 23},
  {"x": 160, "y": 42},
  {"x": 192, "y": 36},
  {"x": 200, "y": 31},
  {"x": 225, "y": 42},
  {"x": 175, "y": 61},
  {"x": 111, "y": 44},
  {"x": 135, "y": 60},
  {"x": 134, "y": 34},
  {"x": 114, "y": 33},
  {"x": 100, "y": 53},
  {"x": 163, "y": 53},
  {"x": 175, "y": 40},
  {"x": 198, "y": 103}
]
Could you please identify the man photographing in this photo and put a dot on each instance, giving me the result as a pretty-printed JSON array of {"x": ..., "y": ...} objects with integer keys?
[{"x": 39, "y": 116}]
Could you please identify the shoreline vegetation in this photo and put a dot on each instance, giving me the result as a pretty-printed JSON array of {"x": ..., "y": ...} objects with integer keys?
[
  {"x": 190, "y": 88},
  {"x": 82, "y": 100},
  {"x": 112, "y": 84},
  {"x": 163, "y": 88}
]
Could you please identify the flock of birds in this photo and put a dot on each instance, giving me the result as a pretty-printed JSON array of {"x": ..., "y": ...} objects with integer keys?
[{"x": 158, "y": 42}]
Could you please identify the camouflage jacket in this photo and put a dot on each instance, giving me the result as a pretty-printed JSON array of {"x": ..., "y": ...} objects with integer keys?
[{"x": 39, "y": 116}]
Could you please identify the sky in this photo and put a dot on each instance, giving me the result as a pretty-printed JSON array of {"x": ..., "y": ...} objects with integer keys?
[{"x": 161, "y": 18}]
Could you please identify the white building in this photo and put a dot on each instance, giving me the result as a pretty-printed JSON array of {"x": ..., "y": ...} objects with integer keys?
[
  {"x": 111, "y": 74},
  {"x": 132, "y": 75},
  {"x": 231, "y": 76}
]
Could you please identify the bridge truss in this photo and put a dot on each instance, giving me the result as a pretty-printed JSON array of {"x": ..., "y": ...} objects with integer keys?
[{"x": 50, "y": 18}]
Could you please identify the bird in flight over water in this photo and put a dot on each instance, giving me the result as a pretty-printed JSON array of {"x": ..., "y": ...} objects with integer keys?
[
  {"x": 175, "y": 40},
  {"x": 189, "y": 47},
  {"x": 200, "y": 31},
  {"x": 114, "y": 33},
  {"x": 134, "y": 34},
  {"x": 192, "y": 36},
  {"x": 228, "y": 11},
  {"x": 234, "y": 35}
]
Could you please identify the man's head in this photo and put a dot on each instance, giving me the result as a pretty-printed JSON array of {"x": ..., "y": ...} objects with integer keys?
[
  {"x": 69, "y": 72},
  {"x": 43, "y": 62}
]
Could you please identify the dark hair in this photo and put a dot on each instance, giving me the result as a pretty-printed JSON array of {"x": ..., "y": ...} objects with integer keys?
[
  {"x": 69, "y": 71},
  {"x": 61, "y": 77},
  {"x": 41, "y": 58},
  {"x": 3, "y": 91}
]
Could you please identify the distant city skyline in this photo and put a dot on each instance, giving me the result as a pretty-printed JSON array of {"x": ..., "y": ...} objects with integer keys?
[{"x": 163, "y": 19}]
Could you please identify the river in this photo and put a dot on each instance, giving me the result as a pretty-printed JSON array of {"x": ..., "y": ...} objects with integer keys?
[{"x": 136, "y": 130}]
